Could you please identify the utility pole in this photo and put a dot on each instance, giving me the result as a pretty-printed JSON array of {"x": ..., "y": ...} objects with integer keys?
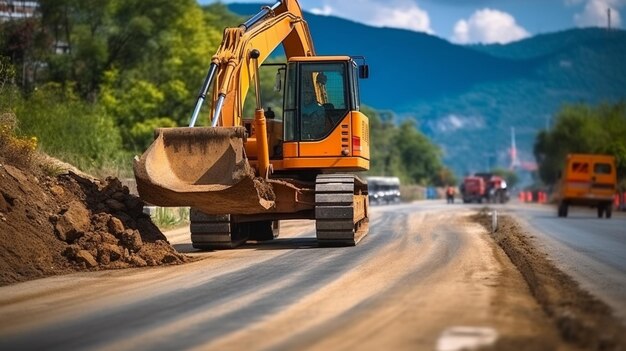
[{"x": 514, "y": 160}]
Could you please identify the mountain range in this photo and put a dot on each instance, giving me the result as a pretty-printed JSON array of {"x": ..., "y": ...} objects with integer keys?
[{"x": 469, "y": 98}]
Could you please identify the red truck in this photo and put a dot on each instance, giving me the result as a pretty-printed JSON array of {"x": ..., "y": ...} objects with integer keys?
[
  {"x": 473, "y": 189},
  {"x": 484, "y": 187},
  {"x": 496, "y": 188}
]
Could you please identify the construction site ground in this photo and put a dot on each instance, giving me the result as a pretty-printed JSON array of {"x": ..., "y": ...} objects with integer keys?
[
  {"x": 420, "y": 280},
  {"x": 425, "y": 278}
]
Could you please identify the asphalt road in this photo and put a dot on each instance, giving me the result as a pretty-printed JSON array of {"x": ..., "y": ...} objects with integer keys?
[
  {"x": 592, "y": 250},
  {"x": 425, "y": 278}
]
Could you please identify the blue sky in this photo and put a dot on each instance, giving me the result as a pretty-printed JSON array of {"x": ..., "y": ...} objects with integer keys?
[{"x": 471, "y": 21}]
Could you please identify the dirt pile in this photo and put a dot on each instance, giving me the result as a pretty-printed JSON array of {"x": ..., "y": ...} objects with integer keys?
[
  {"x": 581, "y": 319},
  {"x": 54, "y": 225}
]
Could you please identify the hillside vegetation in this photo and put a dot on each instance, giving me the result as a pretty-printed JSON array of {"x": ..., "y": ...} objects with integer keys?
[{"x": 92, "y": 80}]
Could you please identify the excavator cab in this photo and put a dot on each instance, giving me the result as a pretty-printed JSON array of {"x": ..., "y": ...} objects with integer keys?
[{"x": 320, "y": 126}]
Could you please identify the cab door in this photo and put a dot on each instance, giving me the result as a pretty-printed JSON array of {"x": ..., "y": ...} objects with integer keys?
[
  {"x": 578, "y": 176},
  {"x": 603, "y": 180},
  {"x": 318, "y": 131}
]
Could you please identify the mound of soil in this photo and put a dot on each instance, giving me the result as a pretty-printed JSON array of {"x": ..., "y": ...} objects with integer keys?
[
  {"x": 581, "y": 319},
  {"x": 56, "y": 225}
]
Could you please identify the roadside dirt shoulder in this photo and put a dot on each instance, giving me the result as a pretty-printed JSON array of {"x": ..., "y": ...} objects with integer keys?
[{"x": 582, "y": 320}]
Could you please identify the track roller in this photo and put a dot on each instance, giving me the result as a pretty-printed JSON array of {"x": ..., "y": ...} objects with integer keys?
[
  {"x": 341, "y": 209},
  {"x": 215, "y": 231}
]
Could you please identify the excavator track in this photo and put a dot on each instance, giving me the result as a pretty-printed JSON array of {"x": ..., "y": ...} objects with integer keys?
[
  {"x": 341, "y": 209},
  {"x": 215, "y": 231},
  {"x": 211, "y": 232}
]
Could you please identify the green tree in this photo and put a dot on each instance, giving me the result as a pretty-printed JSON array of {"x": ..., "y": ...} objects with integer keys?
[
  {"x": 421, "y": 159},
  {"x": 582, "y": 129},
  {"x": 71, "y": 129},
  {"x": 385, "y": 159}
]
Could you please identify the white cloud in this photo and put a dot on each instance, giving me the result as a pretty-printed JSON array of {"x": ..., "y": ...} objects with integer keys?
[
  {"x": 594, "y": 13},
  {"x": 324, "y": 10},
  {"x": 488, "y": 26},
  {"x": 406, "y": 17},
  {"x": 453, "y": 122},
  {"x": 403, "y": 14}
]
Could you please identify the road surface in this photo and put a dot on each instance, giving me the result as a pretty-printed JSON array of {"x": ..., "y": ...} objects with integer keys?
[
  {"x": 592, "y": 250},
  {"x": 425, "y": 278}
]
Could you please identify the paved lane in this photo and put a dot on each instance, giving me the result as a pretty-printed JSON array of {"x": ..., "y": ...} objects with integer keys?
[{"x": 592, "y": 250}]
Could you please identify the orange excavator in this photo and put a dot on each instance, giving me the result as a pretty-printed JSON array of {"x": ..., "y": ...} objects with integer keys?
[{"x": 242, "y": 175}]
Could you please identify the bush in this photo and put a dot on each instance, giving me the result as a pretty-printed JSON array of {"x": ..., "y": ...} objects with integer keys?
[
  {"x": 73, "y": 130},
  {"x": 15, "y": 150}
]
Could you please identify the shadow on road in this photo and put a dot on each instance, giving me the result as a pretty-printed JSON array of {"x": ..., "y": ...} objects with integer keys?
[
  {"x": 276, "y": 244},
  {"x": 284, "y": 244}
]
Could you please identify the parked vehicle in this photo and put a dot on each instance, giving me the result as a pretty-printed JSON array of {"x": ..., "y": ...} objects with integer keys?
[
  {"x": 473, "y": 189},
  {"x": 587, "y": 180},
  {"x": 383, "y": 190},
  {"x": 496, "y": 188}
]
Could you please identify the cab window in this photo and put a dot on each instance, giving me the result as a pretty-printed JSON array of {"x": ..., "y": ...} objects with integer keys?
[
  {"x": 323, "y": 98},
  {"x": 291, "y": 127},
  {"x": 580, "y": 167},
  {"x": 602, "y": 168}
]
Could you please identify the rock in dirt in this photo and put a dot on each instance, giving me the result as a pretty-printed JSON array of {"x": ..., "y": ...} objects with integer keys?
[
  {"x": 131, "y": 239},
  {"x": 115, "y": 225},
  {"x": 84, "y": 256},
  {"x": 72, "y": 222}
]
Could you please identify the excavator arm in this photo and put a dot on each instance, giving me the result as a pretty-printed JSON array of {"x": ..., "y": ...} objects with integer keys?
[
  {"x": 233, "y": 66},
  {"x": 207, "y": 167}
]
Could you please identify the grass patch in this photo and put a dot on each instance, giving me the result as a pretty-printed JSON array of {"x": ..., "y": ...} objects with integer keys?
[{"x": 170, "y": 217}]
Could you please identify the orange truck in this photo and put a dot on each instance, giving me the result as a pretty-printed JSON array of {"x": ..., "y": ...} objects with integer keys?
[{"x": 587, "y": 180}]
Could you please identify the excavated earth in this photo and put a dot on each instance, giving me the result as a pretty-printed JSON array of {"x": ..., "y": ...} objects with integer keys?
[
  {"x": 71, "y": 222},
  {"x": 582, "y": 320}
]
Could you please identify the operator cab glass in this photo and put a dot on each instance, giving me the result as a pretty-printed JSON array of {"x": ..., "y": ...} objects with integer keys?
[{"x": 318, "y": 95}]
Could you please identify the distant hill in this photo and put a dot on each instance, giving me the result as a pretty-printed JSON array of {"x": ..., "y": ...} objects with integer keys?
[{"x": 467, "y": 98}]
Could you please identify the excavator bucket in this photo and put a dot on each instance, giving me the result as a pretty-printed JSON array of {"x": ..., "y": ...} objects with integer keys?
[{"x": 201, "y": 167}]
